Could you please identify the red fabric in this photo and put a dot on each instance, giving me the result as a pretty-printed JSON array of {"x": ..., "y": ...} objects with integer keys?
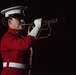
[{"x": 15, "y": 49}]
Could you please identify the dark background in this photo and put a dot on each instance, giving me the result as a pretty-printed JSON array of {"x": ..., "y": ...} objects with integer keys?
[{"x": 55, "y": 55}]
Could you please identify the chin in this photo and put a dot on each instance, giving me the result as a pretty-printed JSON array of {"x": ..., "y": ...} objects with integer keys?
[{"x": 21, "y": 28}]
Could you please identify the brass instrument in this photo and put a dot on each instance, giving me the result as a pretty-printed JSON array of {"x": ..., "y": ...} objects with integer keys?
[{"x": 46, "y": 25}]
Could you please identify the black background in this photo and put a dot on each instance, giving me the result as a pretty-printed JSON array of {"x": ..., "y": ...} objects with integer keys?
[{"x": 55, "y": 55}]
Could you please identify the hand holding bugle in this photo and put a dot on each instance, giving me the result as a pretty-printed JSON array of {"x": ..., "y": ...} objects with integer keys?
[{"x": 46, "y": 26}]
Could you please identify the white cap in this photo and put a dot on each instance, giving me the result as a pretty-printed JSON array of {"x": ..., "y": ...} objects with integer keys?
[{"x": 13, "y": 10}]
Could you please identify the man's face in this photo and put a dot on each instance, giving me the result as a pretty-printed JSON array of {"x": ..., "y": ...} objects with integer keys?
[{"x": 16, "y": 23}]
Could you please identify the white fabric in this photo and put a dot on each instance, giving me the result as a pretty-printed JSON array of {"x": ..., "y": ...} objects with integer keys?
[
  {"x": 34, "y": 31},
  {"x": 37, "y": 27},
  {"x": 15, "y": 65},
  {"x": 38, "y": 22}
]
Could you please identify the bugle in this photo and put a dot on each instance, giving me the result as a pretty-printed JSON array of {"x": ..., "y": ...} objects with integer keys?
[{"x": 46, "y": 26}]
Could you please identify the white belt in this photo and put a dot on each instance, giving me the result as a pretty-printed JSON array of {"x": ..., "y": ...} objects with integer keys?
[{"x": 15, "y": 65}]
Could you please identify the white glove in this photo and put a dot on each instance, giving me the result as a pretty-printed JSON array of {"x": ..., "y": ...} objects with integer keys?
[
  {"x": 38, "y": 22},
  {"x": 37, "y": 27}
]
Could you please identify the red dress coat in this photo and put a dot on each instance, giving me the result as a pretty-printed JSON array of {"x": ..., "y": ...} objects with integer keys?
[{"x": 15, "y": 49}]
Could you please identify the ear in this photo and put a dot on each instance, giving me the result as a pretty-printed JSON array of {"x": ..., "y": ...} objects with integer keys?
[{"x": 9, "y": 21}]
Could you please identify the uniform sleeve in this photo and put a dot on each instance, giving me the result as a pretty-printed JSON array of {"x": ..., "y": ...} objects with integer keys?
[{"x": 15, "y": 43}]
